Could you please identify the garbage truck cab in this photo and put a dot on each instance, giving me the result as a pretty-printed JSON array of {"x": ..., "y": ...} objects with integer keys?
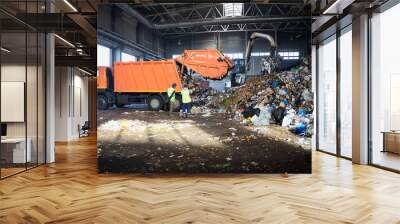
[{"x": 105, "y": 88}]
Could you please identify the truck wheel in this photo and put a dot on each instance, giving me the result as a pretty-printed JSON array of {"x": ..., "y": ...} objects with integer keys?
[
  {"x": 155, "y": 102},
  {"x": 102, "y": 102}
]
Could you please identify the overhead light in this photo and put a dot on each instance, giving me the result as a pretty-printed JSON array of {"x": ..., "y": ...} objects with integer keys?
[
  {"x": 70, "y": 5},
  {"x": 338, "y": 6},
  {"x": 64, "y": 40},
  {"x": 5, "y": 50},
  {"x": 331, "y": 7},
  {"x": 79, "y": 51},
  {"x": 84, "y": 71}
]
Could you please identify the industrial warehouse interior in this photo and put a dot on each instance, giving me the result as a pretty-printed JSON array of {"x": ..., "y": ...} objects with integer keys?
[
  {"x": 239, "y": 82},
  {"x": 280, "y": 111}
]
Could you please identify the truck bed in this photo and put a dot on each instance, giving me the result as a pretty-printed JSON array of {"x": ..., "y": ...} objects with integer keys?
[{"x": 146, "y": 76}]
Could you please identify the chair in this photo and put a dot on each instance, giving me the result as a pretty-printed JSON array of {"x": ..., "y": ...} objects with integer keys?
[{"x": 84, "y": 130}]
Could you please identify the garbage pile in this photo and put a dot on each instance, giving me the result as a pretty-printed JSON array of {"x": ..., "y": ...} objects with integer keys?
[
  {"x": 283, "y": 98},
  {"x": 205, "y": 99}
]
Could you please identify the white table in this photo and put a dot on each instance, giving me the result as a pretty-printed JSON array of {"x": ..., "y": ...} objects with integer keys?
[{"x": 19, "y": 153}]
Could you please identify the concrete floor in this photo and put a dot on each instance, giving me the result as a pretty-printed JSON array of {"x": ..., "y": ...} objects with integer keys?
[{"x": 135, "y": 141}]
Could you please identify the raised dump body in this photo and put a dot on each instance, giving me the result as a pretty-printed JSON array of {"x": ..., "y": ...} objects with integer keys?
[
  {"x": 145, "y": 76},
  {"x": 209, "y": 63}
]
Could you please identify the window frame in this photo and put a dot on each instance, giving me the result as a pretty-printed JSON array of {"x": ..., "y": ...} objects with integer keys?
[
  {"x": 127, "y": 55},
  {"x": 337, "y": 35},
  {"x": 110, "y": 50}
]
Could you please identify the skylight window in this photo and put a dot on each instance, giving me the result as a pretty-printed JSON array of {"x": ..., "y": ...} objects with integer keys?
[
  {"x": 234, "y": 55},
  {"x": 233, "y": 9},
  {"x": 290, "y": 55},
  {"x": 260, "y": 54}
]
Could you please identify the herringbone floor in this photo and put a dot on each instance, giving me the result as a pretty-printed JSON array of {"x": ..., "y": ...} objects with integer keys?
[{"x": 71, "y": 191}]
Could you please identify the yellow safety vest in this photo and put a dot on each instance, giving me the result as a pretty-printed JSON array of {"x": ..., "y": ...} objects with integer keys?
[
  {"x": 171, "y": 90},
  {"x": 186, "y": 96}
]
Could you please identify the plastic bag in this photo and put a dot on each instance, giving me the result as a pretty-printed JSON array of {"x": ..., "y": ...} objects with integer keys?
[
  {"x": 288, "y": 119},
  {"x": 263, "y": 118}
]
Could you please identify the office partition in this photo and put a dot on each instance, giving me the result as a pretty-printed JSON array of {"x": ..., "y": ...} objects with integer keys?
[{"x": 22, "y": 106}]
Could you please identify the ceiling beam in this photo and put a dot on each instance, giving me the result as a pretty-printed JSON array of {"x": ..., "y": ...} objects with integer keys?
[
  {"x": 86, "y": 26},
  {"x": 211, "y": 21},
  {"x": 81, "y": 61},
  {"x": 250, "y": 30},
  {"x": 231, "y": 20},
  {"x": 136, "y": 14}
]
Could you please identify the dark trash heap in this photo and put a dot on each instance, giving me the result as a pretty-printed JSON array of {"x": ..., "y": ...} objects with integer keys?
[{"x": 284, "y": 98}]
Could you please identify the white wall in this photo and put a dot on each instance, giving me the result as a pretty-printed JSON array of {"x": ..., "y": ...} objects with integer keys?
[
  {"x": 12, "y": 73},
  {"x": 61, "y": 103},
  {"x": 80, "y": 109},
  {"x": 71, "y": 102},
  {"x": 385, "y": 74},
  {"x": 33, "y": 126},
  {"x": 16, "y": 73}
]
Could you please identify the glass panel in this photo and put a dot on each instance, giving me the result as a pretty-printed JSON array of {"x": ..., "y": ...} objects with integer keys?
[
  {"x": 385, "y": 84},
  {"x": 233, "y": 9},
  {"x": 327, "y": 96},
  {"x": 127, "y": 57},
  {"x": 31, "y": 98},
  {"x": 41, "y": 99},
  {"x": 346, "y": 94},
  {"x": 13, "y": 80},
  {"x": 103, "y": 56},
  {"x": 23, "y": 90}
]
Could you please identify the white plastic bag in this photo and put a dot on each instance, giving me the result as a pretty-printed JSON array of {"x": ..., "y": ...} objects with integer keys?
[
  {"x": 263, "y": 119},
  {"x": 287, "y": 120}
]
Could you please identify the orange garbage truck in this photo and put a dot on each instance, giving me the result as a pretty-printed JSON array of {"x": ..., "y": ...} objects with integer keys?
[{"x": 148, "y": 81}]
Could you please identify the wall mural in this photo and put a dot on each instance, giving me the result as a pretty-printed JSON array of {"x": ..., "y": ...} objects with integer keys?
[{"x": 204, "y": 95}]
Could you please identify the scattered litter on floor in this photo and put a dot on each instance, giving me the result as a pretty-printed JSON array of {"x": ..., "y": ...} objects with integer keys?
[
  {"x": 139, "y": 126},
  {"x": 156, "y": 142}
]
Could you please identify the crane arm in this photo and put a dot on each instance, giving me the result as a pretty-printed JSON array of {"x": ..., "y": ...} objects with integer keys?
[
  {"x": 209, "y": 63},
  {"x": 249, "y": 47}
]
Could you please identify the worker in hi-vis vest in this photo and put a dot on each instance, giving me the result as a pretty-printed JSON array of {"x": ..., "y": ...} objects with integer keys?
[
  {"x": 171, "y": 97},
  {"x": 186, "y": 100}
]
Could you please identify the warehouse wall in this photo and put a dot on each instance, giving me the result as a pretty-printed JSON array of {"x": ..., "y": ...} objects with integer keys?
[
  {"x": 235, "y": 42},
  {"x": 232, "y": 42},
  {"x": 115, "y": 20}
]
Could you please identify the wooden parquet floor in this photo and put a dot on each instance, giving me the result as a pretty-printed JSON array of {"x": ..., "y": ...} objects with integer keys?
[{"x": 71, "y": 191}]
